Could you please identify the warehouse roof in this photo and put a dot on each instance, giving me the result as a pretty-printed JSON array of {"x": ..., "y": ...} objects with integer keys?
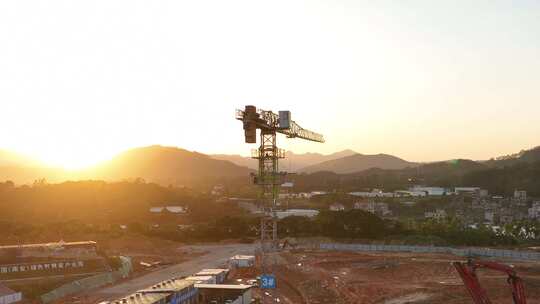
[
  {"x": 56, "y": 244},
  {"x": 224, "y": 286},
  {"x": 243, "y": 257},
  {"x": 5, "y": 291},
  {"x": 211, "y": 271}
]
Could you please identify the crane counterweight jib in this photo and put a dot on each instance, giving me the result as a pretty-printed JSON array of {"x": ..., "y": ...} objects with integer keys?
[{"x": 269, "y": 121}]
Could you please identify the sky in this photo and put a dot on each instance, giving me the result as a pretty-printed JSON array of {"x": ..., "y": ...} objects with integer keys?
[{"x": 423, "y": 80}]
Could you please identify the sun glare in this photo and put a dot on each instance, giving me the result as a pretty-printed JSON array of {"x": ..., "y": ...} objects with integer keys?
[{"x": 71, "y": 160}]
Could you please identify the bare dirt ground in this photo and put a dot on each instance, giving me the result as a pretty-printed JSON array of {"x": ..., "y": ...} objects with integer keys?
[{"x": 383, "y": 278}]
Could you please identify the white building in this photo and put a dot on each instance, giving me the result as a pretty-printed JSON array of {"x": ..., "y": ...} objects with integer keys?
[
  {"x": 520, "y": 195},
  {"x": 366, "y": 206},
  {"x": 380, "y": 209},
  {"x": 431, "y": 191},
  {"x": 217, "y": 190},
  {"x": 8, "y": 296},
  {"x": 297, "y": 212},
  {"x": 219, "y": 273},
  {"x": 438, "y": 215},
  {"x": 406, "y": 193},
  {"x": 374, "y": 193},
  {"x": 337, "y": 207},
  {"x": 534, "y": 211},
  {"x": 467, "y": 190},
  {"x": 489, "y": 216},
  {"x": 303, "y": 195},
  {"x": 408, "y": 203},
  {"x": 201, "y": 279},
  {"x": 241, "y": 261},
  {"x": 483, "y": 193},
  {"x": 171, "y": 209}
]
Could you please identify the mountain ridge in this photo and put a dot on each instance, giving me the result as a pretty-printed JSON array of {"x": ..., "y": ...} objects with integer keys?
[
  {"x": 173, "y": 165},
  {"x": 293, "y": 162},
  {"x": 360, "y": 162}
]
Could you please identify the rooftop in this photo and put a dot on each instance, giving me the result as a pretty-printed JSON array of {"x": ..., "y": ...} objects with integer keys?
[
  {"x": 211, "y": 271},
  {"x": 141, "y": 298},
  {"x": 243, "y": 257},
  {"x": 155, "y": 292},
  {"x": 56, "y": 244},
  {"x": 4, "y": 291},
  {"x": 223, "y": 286},
  {"x": 173, "y": 284},
  {"x": 198, "y": 278}
]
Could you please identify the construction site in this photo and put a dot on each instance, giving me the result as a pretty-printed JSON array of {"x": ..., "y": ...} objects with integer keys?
[
  {"x": 353, "y": 277},
  {"x": 307, "y": 276}
]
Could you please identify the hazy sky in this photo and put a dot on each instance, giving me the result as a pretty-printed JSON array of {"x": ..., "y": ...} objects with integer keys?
[{"x": 423, "y": 80}]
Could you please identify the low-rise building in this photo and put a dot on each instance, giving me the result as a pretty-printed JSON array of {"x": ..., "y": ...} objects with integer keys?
[
  {"x": 201, "y": 279},
  {"x": 506, "y": 219},
  {"x": 297, "y": 212},
  {"x": 218, "y": 190},
  {"x": 437, "y": 215},
  {"x": 489, "y": 216},
  {"x": 407, "y": 193},
  {"x": 170, "y": 209},
  {"x": 468, "y": 190},
  {"x": 174, "y": 291},
  {"x": 534, "y": 211},
  {"x": 431, "y": 191},
  {"x": 219, "y": 273},
  {"x": 520, "y": 195},
  {"x": 380, "y": 209},
  {"x": 8, "y": 296},
  {"x": 49, "y": 259},
  {"x": 224, "y": 293},
  {"x": 408, "y": 203},
  {"x": 241, "y": 261},
  {"x": 373, "y": 194},
  {"x": 483, "y": 193},
  {"x": 337, "y": 207}
]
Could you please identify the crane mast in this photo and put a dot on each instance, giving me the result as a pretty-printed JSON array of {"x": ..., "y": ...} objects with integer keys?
[{"x": 268, "y": 176}]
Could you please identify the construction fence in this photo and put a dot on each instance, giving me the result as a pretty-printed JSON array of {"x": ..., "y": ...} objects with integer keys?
[
  {"x": 91, "y": 282},
  {"x": 465, "y": 252}
]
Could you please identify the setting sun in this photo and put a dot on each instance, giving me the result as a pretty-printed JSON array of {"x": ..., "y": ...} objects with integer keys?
[
  {"x": 76, "y": 91},
  {"x": 72, "y": 160}
]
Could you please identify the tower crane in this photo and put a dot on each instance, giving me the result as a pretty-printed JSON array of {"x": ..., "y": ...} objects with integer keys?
[{"x": 268, "y": 176}]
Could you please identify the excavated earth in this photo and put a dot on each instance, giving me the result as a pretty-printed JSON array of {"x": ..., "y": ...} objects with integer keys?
[{"x": 383, "y": 278}]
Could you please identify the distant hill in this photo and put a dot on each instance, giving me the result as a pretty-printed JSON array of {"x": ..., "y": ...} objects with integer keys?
[
  {"x": 167, "y": 165},
  {"x": 442, "y": 173},
  {"x": 236, "y": 159},
  {"x": 524, "y": 156},
  {"x": 170, "y": 165},
  {"x": 360, "y": 162},
  {"x": 163, "y": 165},
  {"x": 292, "y": 163}
]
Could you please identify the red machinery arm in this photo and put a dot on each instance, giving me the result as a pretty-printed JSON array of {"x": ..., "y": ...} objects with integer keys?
[{"x": 467, "y": 271}]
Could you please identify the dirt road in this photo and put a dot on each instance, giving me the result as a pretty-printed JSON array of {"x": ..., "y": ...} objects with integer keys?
[{"x": 216, "y": 255}]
